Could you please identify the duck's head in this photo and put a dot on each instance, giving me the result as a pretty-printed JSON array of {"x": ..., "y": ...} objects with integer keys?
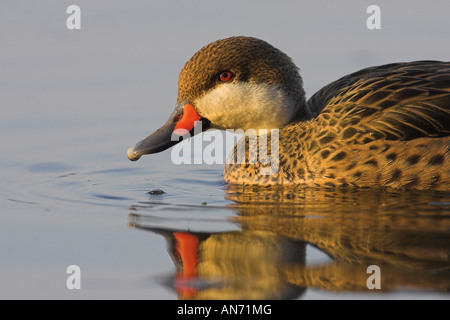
[{"x": 234, "y": 83}]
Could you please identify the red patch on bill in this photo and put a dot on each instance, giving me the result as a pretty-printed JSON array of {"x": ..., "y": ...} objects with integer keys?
[{"x": 187, "y": 121}]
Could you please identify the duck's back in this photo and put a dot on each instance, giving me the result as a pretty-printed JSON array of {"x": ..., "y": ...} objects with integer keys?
[{"x": 399, "y": 101}]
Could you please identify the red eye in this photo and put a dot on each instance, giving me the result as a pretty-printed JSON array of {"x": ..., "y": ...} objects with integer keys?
[{"x": 226, "y": 76}]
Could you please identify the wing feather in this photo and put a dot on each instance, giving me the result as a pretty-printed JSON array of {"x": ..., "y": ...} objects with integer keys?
[{"x": 400, "y": 101}]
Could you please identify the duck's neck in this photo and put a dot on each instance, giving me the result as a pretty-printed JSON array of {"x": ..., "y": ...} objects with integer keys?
[
  {"x": 264, "y": 159},
  {"x": 303, "y": 112}
]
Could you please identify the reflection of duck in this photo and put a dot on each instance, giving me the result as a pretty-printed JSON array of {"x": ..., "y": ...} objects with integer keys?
[
  {"x": 386, "y": 126},
  {"x": 356, "y": 228},
  {"x": 232, "y": 265}
]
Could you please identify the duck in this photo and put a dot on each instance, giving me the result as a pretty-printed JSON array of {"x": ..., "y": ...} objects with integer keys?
[{"x": 382, "y": 126}]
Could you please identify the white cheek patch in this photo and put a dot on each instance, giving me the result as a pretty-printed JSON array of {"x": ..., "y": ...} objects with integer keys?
[{"x": 244, "y": 105}]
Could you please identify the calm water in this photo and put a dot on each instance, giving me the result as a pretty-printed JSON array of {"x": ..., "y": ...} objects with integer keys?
[{"x": 73, "y": 101}]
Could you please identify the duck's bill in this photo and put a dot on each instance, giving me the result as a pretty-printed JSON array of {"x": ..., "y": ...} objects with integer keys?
[
  {"x": 158, "y": 141},
  {"x": 183, "y": 123}
]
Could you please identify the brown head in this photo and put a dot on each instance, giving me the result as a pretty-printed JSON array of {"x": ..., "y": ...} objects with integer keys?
[{"x": 234, "y": 83}]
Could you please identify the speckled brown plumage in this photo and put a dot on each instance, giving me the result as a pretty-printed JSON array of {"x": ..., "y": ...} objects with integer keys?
[{"x": 386, "y": 126}]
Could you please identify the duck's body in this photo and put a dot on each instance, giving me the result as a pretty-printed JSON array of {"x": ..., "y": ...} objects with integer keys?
[{"x": 383, "y": 126}]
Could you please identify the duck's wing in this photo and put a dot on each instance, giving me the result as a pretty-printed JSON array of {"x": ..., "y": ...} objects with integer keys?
[{"x": 399, "y": 101}]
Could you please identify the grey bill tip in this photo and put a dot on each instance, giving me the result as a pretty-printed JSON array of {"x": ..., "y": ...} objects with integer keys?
[{"x": 132, "y": 155}]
